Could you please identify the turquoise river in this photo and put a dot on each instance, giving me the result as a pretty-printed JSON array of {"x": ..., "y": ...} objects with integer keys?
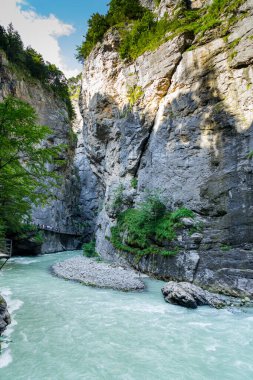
[{"x": 63, "y": 330}]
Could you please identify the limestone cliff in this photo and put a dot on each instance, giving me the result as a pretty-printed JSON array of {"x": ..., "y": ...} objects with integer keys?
[
  {"x": 62, "y": 213},
  {"x": 187, "y": 134}
]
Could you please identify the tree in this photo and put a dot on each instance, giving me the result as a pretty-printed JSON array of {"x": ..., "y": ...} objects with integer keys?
[
  {"x": 125, "y": 10},
  {"x": 98, "y": 25},
  {"x": 24, "y": 158},
  {"x": 32, "y": 63}
]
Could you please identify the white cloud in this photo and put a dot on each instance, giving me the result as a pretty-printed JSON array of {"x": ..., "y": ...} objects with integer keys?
[{"x": 39, "y": 31}]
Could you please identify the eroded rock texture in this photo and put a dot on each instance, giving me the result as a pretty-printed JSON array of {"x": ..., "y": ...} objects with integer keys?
[
  {"x": 188, "y": 136},
  {"x": 191, "y": 296},
  {"x": 5, "y": 318}
]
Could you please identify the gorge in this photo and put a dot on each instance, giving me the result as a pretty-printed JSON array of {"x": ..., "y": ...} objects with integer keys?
[
  {"x": 176, "y": 122},
  {"x": 158, "y": 170}
]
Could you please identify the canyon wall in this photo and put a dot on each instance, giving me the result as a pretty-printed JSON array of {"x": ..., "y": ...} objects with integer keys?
[{"x": 187, "y": 135}]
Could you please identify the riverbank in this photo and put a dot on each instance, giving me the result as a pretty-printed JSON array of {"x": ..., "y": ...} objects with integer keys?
[{"x": 99, "y": 274}]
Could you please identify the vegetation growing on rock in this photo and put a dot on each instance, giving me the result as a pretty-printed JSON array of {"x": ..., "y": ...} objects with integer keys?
[
  {"x": 34, "y": 65},
  {"x": 89, "y": 249},
  {"x": 141, "y": 31},
  {"x": 149, "y": 228}
]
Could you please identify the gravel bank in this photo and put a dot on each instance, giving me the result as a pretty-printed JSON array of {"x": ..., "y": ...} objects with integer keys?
[{"x": 100, "y": 274}]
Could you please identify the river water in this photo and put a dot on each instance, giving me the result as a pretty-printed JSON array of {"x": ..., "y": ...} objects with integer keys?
[{"x": 63, "y": 330}]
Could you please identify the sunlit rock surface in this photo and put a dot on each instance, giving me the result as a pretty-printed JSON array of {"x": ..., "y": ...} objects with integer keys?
[{"x": 188, "y": 136}]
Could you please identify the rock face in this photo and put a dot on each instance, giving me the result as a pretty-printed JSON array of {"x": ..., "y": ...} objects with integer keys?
[
  {"x": 188, "y": 136},
  {"x": 190, "y": 296},
  {"x": 5, "y": 318},
  {"x": 62, "y": 213}
]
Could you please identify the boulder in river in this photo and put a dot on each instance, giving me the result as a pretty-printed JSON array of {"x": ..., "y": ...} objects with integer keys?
[
  {"x": 5, "y": 318},
  {"x": 191, "y": 296}
]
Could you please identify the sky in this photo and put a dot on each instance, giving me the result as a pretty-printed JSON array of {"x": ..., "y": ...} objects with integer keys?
[{"x": 52, "y": 27}]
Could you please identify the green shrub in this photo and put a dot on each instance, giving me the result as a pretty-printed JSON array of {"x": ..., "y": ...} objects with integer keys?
[
  {"x": 134, "y": 93},
  {"x": 250, "y": 155},
  {"x": 39, "y": 237},
  {"x": 134, "y": 183},
  {"x": 117, "y": 200},
  {"x": 120, "y": 12},
  {"x": 145, "y": 229},
  {"x": 225, "y": 247},
  {"x": 89, "y": 249},
  {"x": 157, "y": 2}
]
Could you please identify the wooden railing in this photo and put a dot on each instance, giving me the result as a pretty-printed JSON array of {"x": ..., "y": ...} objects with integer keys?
[{"x": 5, "y": 250}]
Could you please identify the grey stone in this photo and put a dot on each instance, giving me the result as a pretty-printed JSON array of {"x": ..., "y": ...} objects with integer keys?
[
  {"x": 188, "y": 136},
  {"x": 5, "y": 318},
  {"x": 190, "y": 296},
  {"x": 189, "y": 222}
]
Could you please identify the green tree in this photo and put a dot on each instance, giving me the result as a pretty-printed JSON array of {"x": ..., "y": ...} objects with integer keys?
[
  {"x": 125, "y": 10},
  {"x": 24, "y": 158},
  {"x": 98, "y": 25},
  {"x": 32, "y": 63}
]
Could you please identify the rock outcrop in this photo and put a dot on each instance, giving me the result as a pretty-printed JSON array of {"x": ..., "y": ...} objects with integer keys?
[
  {"x": 5, "y": 318},
  {"x": 187, "y": 135},
  {"x": 191, "y": 296}
]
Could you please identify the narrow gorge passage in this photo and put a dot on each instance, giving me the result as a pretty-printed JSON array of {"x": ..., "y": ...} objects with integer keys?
[{"x": 62, "y": 330}]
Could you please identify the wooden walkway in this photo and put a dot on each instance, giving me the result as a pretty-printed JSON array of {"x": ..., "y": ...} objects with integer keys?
[
  {"x": 5, "y": 250},
  {"x": 57, "y": 231}
]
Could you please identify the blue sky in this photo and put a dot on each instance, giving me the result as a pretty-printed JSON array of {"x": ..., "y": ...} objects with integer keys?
[{"x": 53, "y": 27}]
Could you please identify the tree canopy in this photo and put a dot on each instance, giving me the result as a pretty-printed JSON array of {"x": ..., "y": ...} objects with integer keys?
[
  {"x": 120, "y": 11},
  {"x": 140, "y": 29},
  {"x": 33, "y": 63},
  {"x": 24, "y": 158}
]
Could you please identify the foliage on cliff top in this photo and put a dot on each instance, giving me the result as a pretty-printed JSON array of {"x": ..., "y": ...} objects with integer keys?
[
  {"x": 141, "y": 31},
  {"x": 33, "y": 63},
  {"x": 145, "y": 229},
  {"x": 24, "y": 178},
  {"x": 120, "y": 11}
]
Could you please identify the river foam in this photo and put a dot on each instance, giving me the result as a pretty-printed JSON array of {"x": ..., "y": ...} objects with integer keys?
[{"x": 13, "y": 306}]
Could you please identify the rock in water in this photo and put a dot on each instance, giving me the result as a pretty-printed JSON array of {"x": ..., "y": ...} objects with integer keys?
[
  {"x": 5, "y": 318},
  {"x": 190, "y": 296}
]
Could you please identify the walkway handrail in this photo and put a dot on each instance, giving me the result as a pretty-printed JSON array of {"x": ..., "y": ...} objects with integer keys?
[
  {"x": 56, "y": 230},
  {"x": 6, "y": 247},
  {"x": 5, "y": 250}
]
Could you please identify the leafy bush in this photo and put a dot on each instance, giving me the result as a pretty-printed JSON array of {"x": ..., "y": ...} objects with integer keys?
[
  {"x": 134, "y": 183},
  {"x": 39, "y": 237},
  {"x": 144, "y": 230},
  {"x": 89, "y": 249},
  {"x": 98, "y": 25},
  {"x": 124, "y": 10},
  {"x": 120, "y": 11},
  {"x": 117, "y": 199},
  {"x": 134, "y": 94}
]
